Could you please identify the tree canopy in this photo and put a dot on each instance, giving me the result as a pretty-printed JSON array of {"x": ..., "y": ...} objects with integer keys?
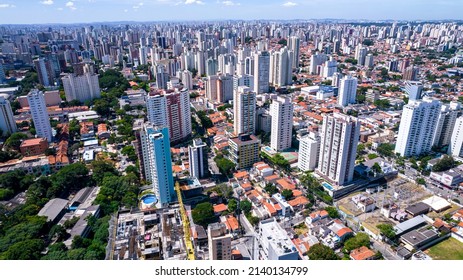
[
  {"x": 359, "y": 240},
  {"x": 203, "y": 214},
  {"x": 321, "y": 252}
]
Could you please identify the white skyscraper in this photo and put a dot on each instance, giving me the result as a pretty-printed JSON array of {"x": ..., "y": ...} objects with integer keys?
[
  {"x": 338, "y": 148},
  {"x": 156, "y": 108},
  {"x": 281, "y": 111},
  {"x": 197, "y": 159},
  {"x": 187, "y": 80},
  {"x": 294, "y": 45},
  {"x": 315, "y": 61},
  {"x": 309, "y": 151},
  {"x": 360, "y": 54},
  {"x": 280, "y": 67},
  {"x": 157, "y": 161},
  {"x": 39, "y": 114},
  {"x": 219, "y": 242},
  {"x": 243, "y": 80},
  {"x": 347, "y": 91},
  {"x": 244, "y": 110},
  {"x": 414, "y": 90},
  {"x": 261, "y": 72},
  {"x": 445, "y": 124},
  {"x": 456, "y": 143},
  {"x": 7, "y": 122},
  {"x": 417, "y": 127},
  {"x": 171, "y": 110},
  {"x": 329, "y": 68},
  {"x": 84, "y": 87}
]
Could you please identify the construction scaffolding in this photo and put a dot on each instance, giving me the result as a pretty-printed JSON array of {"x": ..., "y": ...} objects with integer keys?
[{"x": 186, "y": 225}]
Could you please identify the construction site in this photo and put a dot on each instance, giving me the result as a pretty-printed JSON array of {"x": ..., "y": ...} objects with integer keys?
[
  {"x": 148, "y": 235},
  {"x": 381, "y": 205}
]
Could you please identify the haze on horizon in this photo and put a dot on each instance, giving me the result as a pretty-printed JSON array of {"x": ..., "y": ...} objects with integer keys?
[{"x": 82, "y": 11}]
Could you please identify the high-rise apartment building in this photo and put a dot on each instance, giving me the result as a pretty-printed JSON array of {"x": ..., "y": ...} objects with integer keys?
[
  {"x": 281, "y": 111},
  {"x": 410, "y": 73},
  {"x": 347, "y": 91},
  {"x": 243, "y": 80},
  {"x": 445, "y": 123},
  {"x": 294, "y": 45},
  {"x": 157, "y": 161},
  {"x": 281, "y": 67},
  {"x": 2, "y": 74},
  {"x": 7, "y": 121},
  {"x": 171, "y": 110},
  {"x": 309, "y": 151},
  {"x": 338, "y": 148},
  {"x": 417, "y": 127},
  {"x": 261, "y": 72},
  {"x": 456, "y": 142},
  {"x": 219, "y": 242},
  {"x": 197, "y": 159},
  {"x": 44, "y": 72},
  {"x": 360, "y": 54},
  {"x": 244, "y": 150},
  {"x": 81, "y": 87},
  {"x": 244, "y": 111},
  {"x": 414, "y": 90},
  {"x": 316, "y": 60},
  {"x": 187, "y": 79},
  {"x": 39, "y": 114}
]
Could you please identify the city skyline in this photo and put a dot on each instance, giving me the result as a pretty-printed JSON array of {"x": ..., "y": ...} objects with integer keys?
[{"x": 88, "y": 11}]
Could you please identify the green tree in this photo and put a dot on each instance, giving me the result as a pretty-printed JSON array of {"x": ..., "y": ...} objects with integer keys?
[
  {"x": 376, "y": 168},
  {"x": 386, "y": 149},
  {"x": 232, "y": 205},
  {"x": 332, "y": 212},
  {"x": 321, "y": 252},
  {"x": 129, "y": 151},
  {"x": 359, "y": 240},
  {"x": 444, "y": 164},
  {"x": 225, "y": 165},
  {"x": 246, "y": 206},
  {"x": 14, "y": 141},
  {"x": 101, "y": 169},
  {"x": 271, "y": 189},
  {"x": 287, "y": 194},
  {"x": 387, "y": 230},
  {"x": 203, "y": 214},
  {"x": 25, "y": 250}
]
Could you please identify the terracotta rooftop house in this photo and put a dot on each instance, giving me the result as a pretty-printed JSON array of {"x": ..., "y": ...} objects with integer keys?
[
  {"x": 362, "y": 254},
  {"x": 219, "y": 208},
  {"x": 33, "y": 147},
  {"x": 103, "y": 131}
]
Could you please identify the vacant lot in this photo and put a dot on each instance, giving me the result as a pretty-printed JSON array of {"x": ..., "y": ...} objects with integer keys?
[{"x": 449, "y": 249}]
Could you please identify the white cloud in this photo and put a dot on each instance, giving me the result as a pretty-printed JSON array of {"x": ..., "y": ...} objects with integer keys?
[
  {"x": 189, "y": 2},
  {"x": 230, "y": 3},
  {"x": 47, "y": 2},
  {"x": 289, "y": 4},
  {"x": 60, "y": 9},
  {"x": 70, "y": 5},
  {"x": 4, "y": 6}
]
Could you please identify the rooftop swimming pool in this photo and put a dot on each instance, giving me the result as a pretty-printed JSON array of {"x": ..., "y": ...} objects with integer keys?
[
  {"x": 149, "y": 199},
  {"x": 328, "y": 186}
]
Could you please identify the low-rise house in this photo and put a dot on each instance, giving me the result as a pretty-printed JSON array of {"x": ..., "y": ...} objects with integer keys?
[
  {"x": 362, "y": 254},
  {"x": 33, "y": 147}
]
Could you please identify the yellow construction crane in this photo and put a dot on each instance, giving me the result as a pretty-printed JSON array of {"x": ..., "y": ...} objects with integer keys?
[{"x": 186, "y": 225}]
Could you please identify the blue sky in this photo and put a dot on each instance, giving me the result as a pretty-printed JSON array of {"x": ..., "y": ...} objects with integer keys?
[{"x": 72, "y": 11}]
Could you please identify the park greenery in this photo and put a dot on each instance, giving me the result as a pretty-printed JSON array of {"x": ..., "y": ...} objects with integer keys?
[{"x": 24, "y": 235}]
